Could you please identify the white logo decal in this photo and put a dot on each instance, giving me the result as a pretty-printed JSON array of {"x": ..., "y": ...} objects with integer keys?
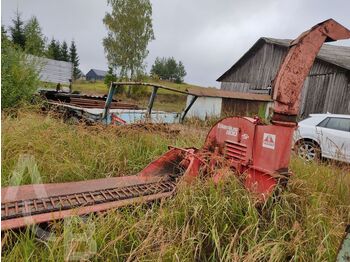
[
  {"x": 245, "y": 136},
  {"x": 269, "y": 141},
  {"x": 230, "y": 131}
]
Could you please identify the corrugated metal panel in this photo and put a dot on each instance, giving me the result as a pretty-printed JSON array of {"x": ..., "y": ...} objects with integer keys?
[{"x": 52, "y": 71}]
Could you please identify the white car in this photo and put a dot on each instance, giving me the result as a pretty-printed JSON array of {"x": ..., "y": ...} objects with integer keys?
[{"x": 323, "y": 135}]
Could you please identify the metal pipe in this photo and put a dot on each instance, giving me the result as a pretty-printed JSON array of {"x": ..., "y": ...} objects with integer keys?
[
  {"x": 152, "y": 84},
  {"x": 296, "y": 66},
  {"x": 151, "y": 101},
  {"x": 194, "y": 98},
  {"x": 109, "y": 100}
]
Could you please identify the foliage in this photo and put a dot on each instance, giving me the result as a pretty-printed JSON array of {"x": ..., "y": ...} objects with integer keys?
[
  {"x": 202, "y": 222},
  {"x": 168, "y": 69},
  {"x": 181, "y": 73},
  {"x": 30, "y": 38},
  {"x": 74, "y": 59},
  {"x": 17, "y": 31},
  {"x": 4, "y": 36},
  {"x": 19, "y": 76},
  {"x": 35, "y": 40},
  {"x": 139, "y": 91},
  {"x": 110, "y": 77},
  {"x": 53, "y": 50},
  {"x": 130, "y": 30},
  {"x": 64, "y": 54}
]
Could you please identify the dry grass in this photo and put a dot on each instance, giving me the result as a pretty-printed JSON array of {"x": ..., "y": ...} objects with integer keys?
[
  {"x": 69, "y": 153},
  {"x": 202, "y": 222}
]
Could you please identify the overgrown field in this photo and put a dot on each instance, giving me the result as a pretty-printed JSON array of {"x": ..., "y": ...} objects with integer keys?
[
  {"x": 98, "y": 87},
  {"x": 202, "y": 222}
]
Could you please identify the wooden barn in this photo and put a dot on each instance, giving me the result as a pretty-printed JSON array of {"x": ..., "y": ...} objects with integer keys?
[
  {"x": 204, "y": 103},
  {"x": 95, "y": 74},
  {"x": 326, "y": 89}
]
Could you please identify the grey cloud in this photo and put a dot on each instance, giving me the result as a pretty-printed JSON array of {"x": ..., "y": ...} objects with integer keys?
[{"x": 207, "y": 35}]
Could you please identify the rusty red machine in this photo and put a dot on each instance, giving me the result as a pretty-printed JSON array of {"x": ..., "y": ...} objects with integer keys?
[{"x": 258, "y": 153}]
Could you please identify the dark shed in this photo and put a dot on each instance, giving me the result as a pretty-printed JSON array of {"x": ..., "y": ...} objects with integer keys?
[
  {"x": 95, "y": 74},
  {"x": 326, "y": 89}
]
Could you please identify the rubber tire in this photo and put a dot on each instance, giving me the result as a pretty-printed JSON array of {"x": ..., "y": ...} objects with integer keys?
[{"x": 308, "y": 150}]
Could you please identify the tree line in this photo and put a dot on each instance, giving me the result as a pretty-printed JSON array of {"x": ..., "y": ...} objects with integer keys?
[
  {"x": 29, "y": 38},
  {"x": 168, "y": 69}
]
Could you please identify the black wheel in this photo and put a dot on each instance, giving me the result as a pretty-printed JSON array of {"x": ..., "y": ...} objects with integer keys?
[{"x": 308, "y": 150}]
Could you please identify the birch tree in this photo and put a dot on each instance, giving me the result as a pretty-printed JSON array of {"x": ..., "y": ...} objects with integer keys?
[{"x": 130, "y": 30}]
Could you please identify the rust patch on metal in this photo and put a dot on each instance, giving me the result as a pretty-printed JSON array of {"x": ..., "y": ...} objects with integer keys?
[{"x": 298, "y": 62}]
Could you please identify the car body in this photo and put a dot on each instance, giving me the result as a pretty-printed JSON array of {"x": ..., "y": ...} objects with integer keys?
[{"x": 323, "y": 135}]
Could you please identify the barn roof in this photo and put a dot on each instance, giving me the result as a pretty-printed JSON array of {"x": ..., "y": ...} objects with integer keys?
[
  {"x": 99, "y": 72},
  {"x": 213, "y": 92},
  {"x": 336, "y": 55}
]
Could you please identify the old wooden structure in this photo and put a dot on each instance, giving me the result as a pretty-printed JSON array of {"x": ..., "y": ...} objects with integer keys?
[
  {"x": 211, "y": 102},
  {"x": 326, "y": 89},
  {"x": 95, "y": 74}
]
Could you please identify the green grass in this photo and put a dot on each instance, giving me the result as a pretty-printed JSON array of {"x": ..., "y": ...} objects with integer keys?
[
  {"x": 201, "y": 223},
  {"x": 69, "y": 153},
  {"x": 88, "y": 87},
  {"x": 99, "y": 87}
]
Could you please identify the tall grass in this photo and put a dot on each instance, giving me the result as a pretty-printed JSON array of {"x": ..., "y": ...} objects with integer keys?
[
  {"x": 69, "y": 153},
  {"x": 201, "y": 223}
]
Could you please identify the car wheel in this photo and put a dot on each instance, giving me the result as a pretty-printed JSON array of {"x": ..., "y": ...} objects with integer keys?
[{"x": 308, "y": 150}]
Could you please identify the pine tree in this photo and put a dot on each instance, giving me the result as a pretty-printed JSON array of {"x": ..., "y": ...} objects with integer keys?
[
  {"x": 74, "y": 58},
  {"x": 17, "y": 31},
  {"x": 35, "y": 40},
  {"x": 171, "y": 68},
  {"x": 53, "y": 50},
  {"x": 64, "y": 52},
  {"x": 4, "y": 36},
  {"x": 180, "y": 73}
]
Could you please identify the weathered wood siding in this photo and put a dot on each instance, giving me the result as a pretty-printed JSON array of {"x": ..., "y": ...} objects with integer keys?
[
  {"x": 257, "y": 71},
  {"x": 327, "y": 89},
  {"x": 326, "y": 93}
]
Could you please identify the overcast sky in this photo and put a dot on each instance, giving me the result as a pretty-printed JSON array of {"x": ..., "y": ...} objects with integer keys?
[{"x": 208, "y": 36}]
